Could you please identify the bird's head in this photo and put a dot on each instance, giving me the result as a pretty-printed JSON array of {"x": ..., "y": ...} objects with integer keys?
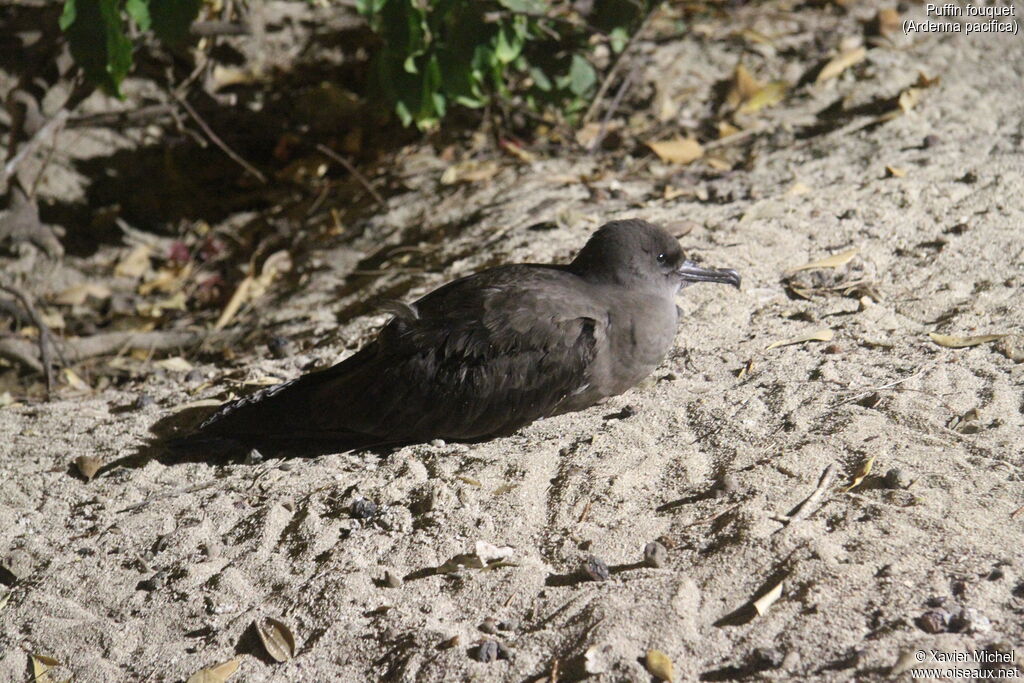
[{"x": 639, "y": 254}]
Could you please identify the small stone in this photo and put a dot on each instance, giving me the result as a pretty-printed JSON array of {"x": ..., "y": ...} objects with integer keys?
[
  {"x": 143, "y": 401},
  {"x": 832, "y": 349},
  {"x": 895, "y": 478},
  {"x": 489, "y": 626},
  {"x": 970, "y": 621},
  {"x": 767, "y": 657},
  {"x": 392, "y": 580},
  {"x": 280, "y": 347},
  {"x": 486, "y": 652},
  {"x": 364, "y": 508},
  {"x": 194, "y": 376},
  {"x": 503, "y": 651},
  {"x": 595, "y": 569},
  {"x": 727, "y": 484},
  {"x": 935, "y": 621},
  {"x": 509, "y": 625},
  {"x": 449, "y": 643},
  {"x": 438, "y": 443},
  {"x": 930, "y": 141},
  {"x": 15, "y": 566},
  {"x": 253, "y": 457},
  {"x": 655, "y": 555}
]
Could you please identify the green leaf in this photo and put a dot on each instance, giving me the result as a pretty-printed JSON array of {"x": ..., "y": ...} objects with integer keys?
[
  {"x": 619, "y": 38},
  {"x": 171, "y": 19},
  {"x": 97, "y": 40},
  {"x": 67, "y": 17},
  {"x": 527, "y": 6},
  {"x": 540, "y": 79},
  {"x": 582, "y": 76},
  {"x": 138, "y": 10},
  {"x": 507, "y": 45}
]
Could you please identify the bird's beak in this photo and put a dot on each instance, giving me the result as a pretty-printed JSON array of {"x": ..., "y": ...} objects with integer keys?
[{"x": 691, "y": 272}]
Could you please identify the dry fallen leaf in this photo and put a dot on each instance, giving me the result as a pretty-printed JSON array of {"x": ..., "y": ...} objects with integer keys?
[
  {"x": 833, "y": 261},
  {"x": 175, "y": 364},
  {"x": 951, "y": 342},
  {"x": 216, "y": 674},
  {"x": 744, "y": 86},
  {"x": 798, "y": 189},
  {"x": 74, "y": 381},
  {"x": 764, "y": 603},
  {"x": 678, "y": 151},
  {"x": 471, "y": 171},
  {"x": 77, "y": 295},
  {"x": 235, "y": 303},
  {"x": 659, "y": 665},
  {"x": 135, "y": 264},
  {"x": 895, "y": 172},
  {"x": 41, "y": 665},
  {"x": 769, "y": 95},
  {"x": 841, "y": 63},
  {"x": 886, "y": 22},
  {"x": 88, "y": 466},
  {"x": 824, "y": 334},
  {"x": 863, "y": 471},
  {"x": 277, "y": 639}
]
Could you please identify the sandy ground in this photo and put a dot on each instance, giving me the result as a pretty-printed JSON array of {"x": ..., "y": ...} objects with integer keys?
[{"x": 709, "y": 456}]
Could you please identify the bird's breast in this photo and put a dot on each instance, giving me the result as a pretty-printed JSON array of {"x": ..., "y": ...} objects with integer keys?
[{"x": 640, "y": 334}]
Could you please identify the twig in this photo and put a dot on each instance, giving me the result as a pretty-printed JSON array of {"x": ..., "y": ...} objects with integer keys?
[
  {"x": 862, "y": 393},
  {"x": 613, "y": 72},
  {"x": 48, "y": 130},
  {"x": 627, "y": 83},
  {"x": 46, "y": 340},
  {"x": 139, "y": 116},
  {"x": 804, "y": 509},
  {"x": 353, "y": 170},
  {"x": 216, "y": 140}
]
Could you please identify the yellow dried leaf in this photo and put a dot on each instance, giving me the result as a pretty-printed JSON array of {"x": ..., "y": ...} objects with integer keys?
[
  {"x": 277, "y": 639},
  {"x": 769, "y": 95},
  {"x": 41, "y": 665},
  {"x": 833, "y": 261},
  {"x": 895, "y": 172},
  {"x": 725, "y": 129},
  {"x": 74, "y": 381},
  {"x": 469, "y": 172},
  {"x": 908, "y": 99},
  {"x": 887, "y": 21},
  {"x": 863, "y": 471},
  {"x": 718, "y": 164},
  {"x": 951, "y": 342},
  {"x": 824, "y": 334},
  {"x": 744, "y": 86},
  {"x": 237, "y": 299},
  {"x": 798, "y": 189},
  {"x": 166, "y": 280},
  {"x": 88, "y": 466},
  {"x": 841, "y": 63},
  {"x": 764, "y": 603},
  {"x": 678, "y": 151},
  {"x": 923, "y": 81},
  {"x": 755, "y": 37},
  {"x": 175, "y": 364},
  {"x": 135, "y": 264},
  {"x": 216, "y": 674},
  {"x": 77, "y": 295},
  {"x": 659, "y": 665},
  {"x": 470, "y": 480}
]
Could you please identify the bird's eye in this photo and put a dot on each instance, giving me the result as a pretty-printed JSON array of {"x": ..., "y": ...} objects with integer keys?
[{"x": 662, "y": 259}]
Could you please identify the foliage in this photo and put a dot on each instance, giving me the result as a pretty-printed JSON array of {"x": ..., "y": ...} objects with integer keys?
[
  {"x": 439, "y": 53},
  {"x": 99, "y": 43}
]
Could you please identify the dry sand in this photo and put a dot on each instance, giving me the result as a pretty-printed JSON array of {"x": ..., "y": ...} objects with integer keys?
[{"x": 117, "y": 591}]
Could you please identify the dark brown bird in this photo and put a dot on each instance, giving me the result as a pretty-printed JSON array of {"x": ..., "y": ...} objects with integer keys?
[{"x": 489, "y": 353}]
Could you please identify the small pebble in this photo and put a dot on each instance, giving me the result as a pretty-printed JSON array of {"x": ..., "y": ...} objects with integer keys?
[
  {"x": 895, "y": 478},
  {"x": 503, "y": 651},
  {"x": 253, "y": 457},
  {"x": 596, "y": 569},
  {"x": 510, "y": 625},
  {"x": 727, "y": 484},
  {"x": 194, "y": 376},
  {"x": 969, "y": 620},
  {"x": 15, "y": 566},
  {"x": 363, "y": 508},
  {"x": 655, "y": 555},
  {"x": 486, "y": 652},
  {"x": 448, "y": 644},
  {"x": 930, "y": 141},
  {"x": 935, "y": 621},
  {"x": 143, "y": 401},
  {"x": 280, "y": 347},
  {"x": 489, "y": 626},
  {"x": 392, "y": 580}
]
